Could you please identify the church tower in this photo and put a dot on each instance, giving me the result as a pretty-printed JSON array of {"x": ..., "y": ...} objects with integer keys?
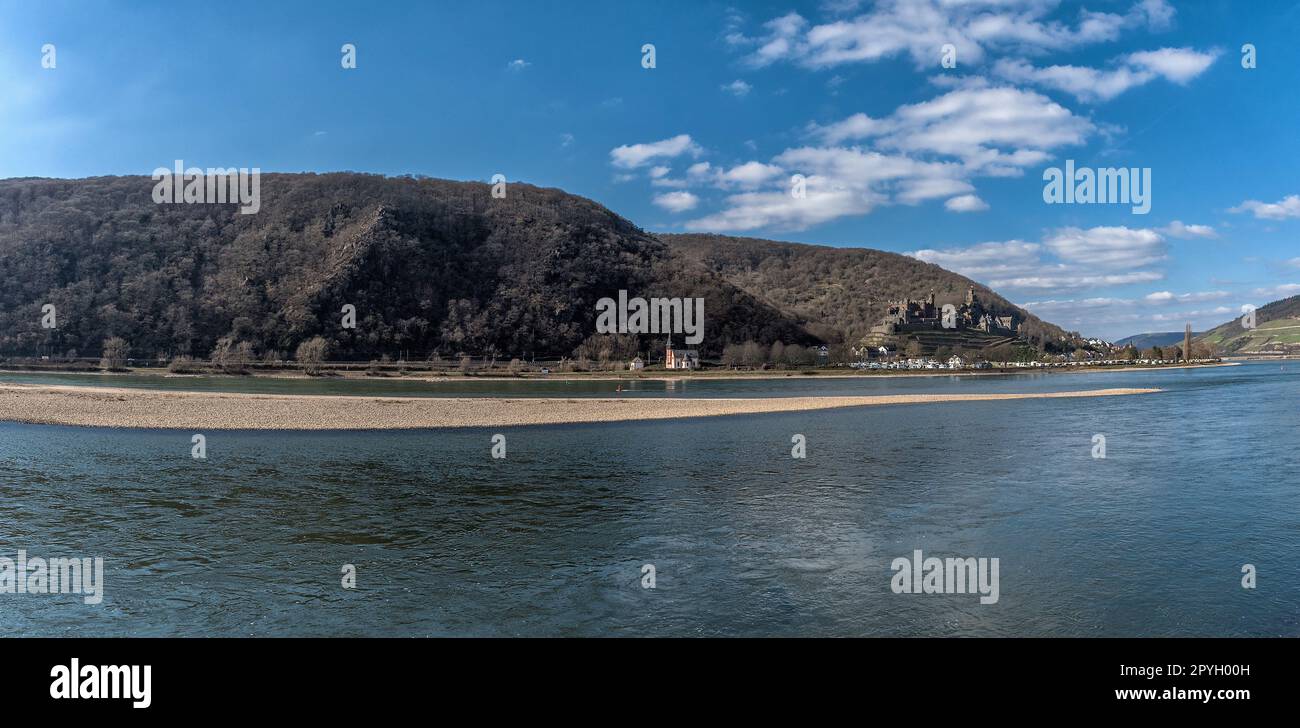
[{"x": 1187, "y": 344}]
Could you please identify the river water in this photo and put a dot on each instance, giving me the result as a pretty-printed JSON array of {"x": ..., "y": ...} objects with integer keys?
[{"x": 1198, "y": 481}]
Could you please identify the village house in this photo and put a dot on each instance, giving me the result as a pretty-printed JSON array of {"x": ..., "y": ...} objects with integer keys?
[
  {"x": 680, "y": 358},
  {"x": 636, "y": 364}
]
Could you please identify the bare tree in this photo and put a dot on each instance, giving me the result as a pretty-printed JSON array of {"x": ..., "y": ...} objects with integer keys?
[
  {"x": 115, "y": 351},
  {"x": 311, "y": 353},
  {"x": 231, "y": 356}
]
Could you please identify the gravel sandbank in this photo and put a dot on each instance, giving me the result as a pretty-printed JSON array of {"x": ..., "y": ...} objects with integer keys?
[{"x": 141, "y": 408}]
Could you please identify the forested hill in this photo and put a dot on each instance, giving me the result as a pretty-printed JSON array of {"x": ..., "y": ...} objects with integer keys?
[
  {"x": 1142, "y": 342},
  {"x": 839, "y": 291},
  {"x": 430, "y": 265}
]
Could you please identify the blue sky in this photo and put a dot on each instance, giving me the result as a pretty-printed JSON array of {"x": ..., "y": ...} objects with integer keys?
[{"x": 899, "y": 153}]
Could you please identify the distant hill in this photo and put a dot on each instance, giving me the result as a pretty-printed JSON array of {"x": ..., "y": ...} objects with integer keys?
[
  {"x": 430, "y": 265},
  {"x": 1161, "y": 338},
  {"x": 1277, "y": 329},
  {"x": 840, "y": 293}
]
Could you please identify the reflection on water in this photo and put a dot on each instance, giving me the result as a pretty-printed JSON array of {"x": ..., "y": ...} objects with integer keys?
[{"x": 745, "y": 540}]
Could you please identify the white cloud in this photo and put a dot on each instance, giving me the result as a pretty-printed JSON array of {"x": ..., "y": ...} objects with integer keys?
[
  {"x": 1117, "y": 248},
  {"x": 631, "y": 156},
  {"x": 737, "y": 88},
  {"x": 1159, "y": 14},
  {"x": 1178, "y": 65},
  {"x": 1100, "y": 316},
  {"x": 1289, "y": 206},
  {"x": 1114, "y": 318},
  {"x": 699, "y": 169},
  {"x": 918, "y": 28},
  {"x": 1177, "y": 229},
  {"x": 781, "y": 40},
  {"x": 861, "y": 166},
  {"x": 677, "y": 201},
  {"x": 780, "y": 210},
  {"x": 1286, "y": 290},
  {"x": 750, "y": 174},
  {"x": 1201, "y": 297},
  {"x": 986, "y": 127},
  {"x": 1219, "y": 313},
  {"x": 747, "y": 176},
  {"x": 1069, "y": 259},
  {"x": 914, "y": 191},
  {"x": 659, "y": 178},
  {"x": 987, "y": 261},
  {"x": 966, "y": 203},
  {"x": 518, "y": 64},
  {"x": 1085, "y": 84},
  {"x": 858, "y": 126},
  {"x": 1062, "y": 278},
  {"x": 925, "y": 151}
]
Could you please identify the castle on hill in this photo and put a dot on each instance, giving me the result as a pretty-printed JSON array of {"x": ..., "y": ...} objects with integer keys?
[{"x": 913, "y": 316}]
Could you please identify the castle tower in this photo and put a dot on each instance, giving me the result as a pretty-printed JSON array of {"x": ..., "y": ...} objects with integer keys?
[{"x": 970, "y": 296}]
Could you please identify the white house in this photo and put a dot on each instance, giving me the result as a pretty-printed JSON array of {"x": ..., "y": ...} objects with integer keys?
[
  {"x": 681, "y": 358},
  {"x": 956, "y": 362},
  {"x": 637, "y": 363}
]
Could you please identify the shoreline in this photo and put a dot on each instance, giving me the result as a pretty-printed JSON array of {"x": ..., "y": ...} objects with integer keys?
[
  {"x": 116, "y": 407},
  {"x": 609, "y": 377}
]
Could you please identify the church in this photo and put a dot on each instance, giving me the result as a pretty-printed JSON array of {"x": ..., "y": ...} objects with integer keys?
[{"x": 680, "y": 358}]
